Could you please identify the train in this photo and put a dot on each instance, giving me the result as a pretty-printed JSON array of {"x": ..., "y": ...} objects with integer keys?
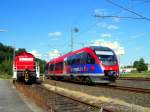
[
  {"x": 25, "y": 68},
  {"x": 93, "y": 64}
]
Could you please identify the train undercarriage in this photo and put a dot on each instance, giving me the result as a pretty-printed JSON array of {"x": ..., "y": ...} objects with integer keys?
[{"x": 85, "y": 79}]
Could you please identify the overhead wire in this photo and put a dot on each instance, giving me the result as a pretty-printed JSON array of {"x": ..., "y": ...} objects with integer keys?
[
  {"x": 117, "y": 17},
  {"x": 140, "y": 16}
]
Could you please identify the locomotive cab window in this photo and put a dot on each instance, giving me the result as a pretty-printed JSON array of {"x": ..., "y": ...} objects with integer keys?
[{"x": 107, "y": 57}]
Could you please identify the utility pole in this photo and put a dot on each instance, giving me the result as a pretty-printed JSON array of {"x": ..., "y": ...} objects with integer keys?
[
  {"x": 14, "y": 53},
  {"x": 71, "y": 45},
  {"x": 74, "y": 30}
]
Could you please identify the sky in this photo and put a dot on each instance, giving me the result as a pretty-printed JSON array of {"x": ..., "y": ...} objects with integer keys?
[{"x": 44, "y": 27}]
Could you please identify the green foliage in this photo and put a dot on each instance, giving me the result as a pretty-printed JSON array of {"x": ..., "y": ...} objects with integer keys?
[
  {"x": 7, "y": 67},
  {"x": 140, "y": 65},
  {"x": 20, "y": 50},
  {"x": 128, "y": 66},
  {"x": 135, "y": 64},
  {"x": 6, "y": 57},
  {"x": 5, "y": 76},
  {"x": 136, "y": 74},
  {"x": 42, "y": 64}
]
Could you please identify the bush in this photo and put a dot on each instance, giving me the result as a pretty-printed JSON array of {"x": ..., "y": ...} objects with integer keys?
[{"x": 140, "y": 65}]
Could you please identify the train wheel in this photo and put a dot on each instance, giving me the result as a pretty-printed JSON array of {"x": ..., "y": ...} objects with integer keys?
[
  {"x": 55, "y": 78},
  {"x": 87, "y": 80},
  {"x": 71, "y": 77},
  {"x": 80, "y": 79}
]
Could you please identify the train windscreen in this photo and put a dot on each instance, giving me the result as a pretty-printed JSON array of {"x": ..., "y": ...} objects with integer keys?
[{"x": 107, "y": 57}]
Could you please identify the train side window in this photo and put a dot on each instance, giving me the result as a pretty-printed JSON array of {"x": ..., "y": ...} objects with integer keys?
[
  {"x": 90, "y": 59},
  {"x": 69, "y": 60},
  {"x": 73, "y": 59},
  {"x": 56, "y": 66},
  {"x": 83, "y": 58},
  {"x": 47, "y": 66},
  {"x": 77, "y": 59},
  {"x": 59, "y": 66},
  {"x": 51, "y": 67}
]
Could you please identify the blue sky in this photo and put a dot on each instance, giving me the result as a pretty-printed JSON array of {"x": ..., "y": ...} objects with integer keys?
[{"x": 41, "y": 26}]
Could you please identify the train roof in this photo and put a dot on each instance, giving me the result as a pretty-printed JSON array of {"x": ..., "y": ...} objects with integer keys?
[
  {"x": 24, "y": 53},
  {"x": 61, "y": 58},
  {"x": 100, "y": 48}
]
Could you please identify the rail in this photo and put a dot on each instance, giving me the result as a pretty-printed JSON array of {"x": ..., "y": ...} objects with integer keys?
[
  {"x": 125, "y": 88},
  {"x": 55, "y": 102}
]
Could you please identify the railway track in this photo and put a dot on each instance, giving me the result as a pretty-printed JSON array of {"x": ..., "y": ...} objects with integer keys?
[
  {"x": 116, "y": 87},
  {"x": 138, "y": 96},
  {"x": 125, "y": 88},
  {"x": 55, "y": 102},
  {"x": 134, "y": 78}
]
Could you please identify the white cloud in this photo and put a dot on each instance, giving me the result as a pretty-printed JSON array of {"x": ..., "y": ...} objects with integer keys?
[
  {"x": 36, "y": 53},
  {"x": 106, "y": 35},
  {"x": 3, "y": 30},
  {"x": 116, "y": 19},
  {"x": 100, "y": 12},
  {"x": 137, "y": 36},
  {"x": 112, "y": 27},
  {"x": 55, "y": 34},
  {"x": 103, "y": 25},
  {"x": 109, "y": 27},
  {"x": 119, "y": 50},
  {"x": 138, "y": 48},
  {"x": 134, "y": 37},
  {"x": 54, "y": 53}
]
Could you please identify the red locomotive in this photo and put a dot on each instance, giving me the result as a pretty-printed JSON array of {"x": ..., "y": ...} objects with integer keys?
[
  {"x": 90, "y": 64},
  {"x": 25, "y": 68}
]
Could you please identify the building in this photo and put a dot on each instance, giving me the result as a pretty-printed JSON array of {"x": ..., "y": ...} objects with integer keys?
[{"x": 126, "y": 69}]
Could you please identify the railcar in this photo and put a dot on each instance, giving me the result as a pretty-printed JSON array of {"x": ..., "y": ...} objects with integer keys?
[
  {"x": 94, "y": 64},
  {"x": 25, "y": 68}
]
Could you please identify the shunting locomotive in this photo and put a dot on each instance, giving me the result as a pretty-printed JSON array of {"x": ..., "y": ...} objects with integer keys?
[{"x": 25, "y": 68}]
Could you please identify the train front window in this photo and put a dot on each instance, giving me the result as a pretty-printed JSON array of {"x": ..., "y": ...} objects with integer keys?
[{"x": 106, "y": 57}]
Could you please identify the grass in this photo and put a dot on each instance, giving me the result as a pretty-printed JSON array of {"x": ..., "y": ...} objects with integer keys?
[
  {"x": 143, "y": 74},
  {"x": 5, "y": 76}
]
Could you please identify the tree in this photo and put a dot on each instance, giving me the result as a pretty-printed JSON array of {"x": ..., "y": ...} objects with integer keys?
[
  {"x": 140, "y": 65},
  {"x": 6, "y": 56},
  {"x": 42, "y": 64},
  {"x": 135, "y": 64},
  {"x": 20, "y": 50}
]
